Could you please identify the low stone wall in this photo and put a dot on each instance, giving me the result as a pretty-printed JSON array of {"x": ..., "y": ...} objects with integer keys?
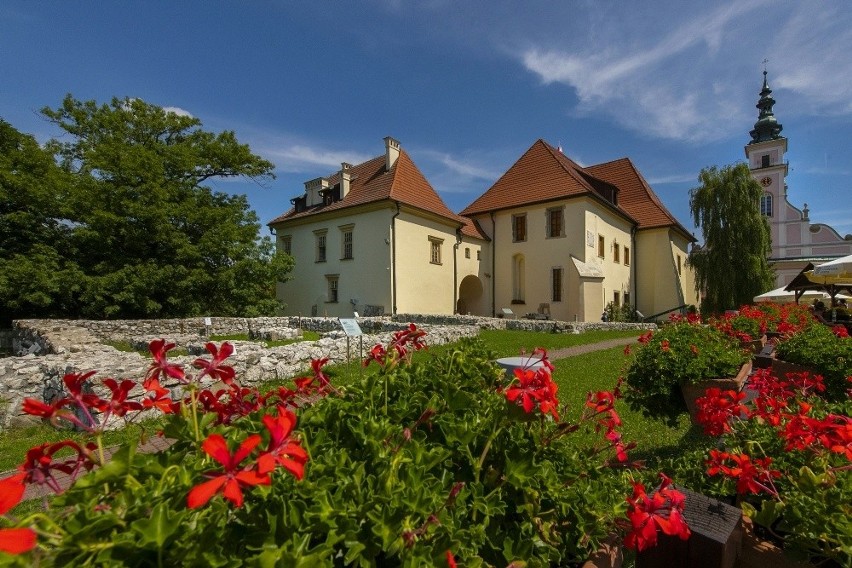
[
  {"x": 40, "y": 377},
  {"x": 52, "y": 348}
]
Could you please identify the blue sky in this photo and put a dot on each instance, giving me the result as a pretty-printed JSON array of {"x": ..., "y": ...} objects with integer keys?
[{"x": 466, "y": 87}]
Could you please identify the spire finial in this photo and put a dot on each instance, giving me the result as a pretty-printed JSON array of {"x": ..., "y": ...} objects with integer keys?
[{"x": 766, "y": 127}]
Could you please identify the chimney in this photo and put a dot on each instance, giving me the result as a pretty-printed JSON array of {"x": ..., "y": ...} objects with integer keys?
[
  {"x": 312, "y": 191},
  {"x": 391, "y": 152},
  {"x": 345, "y": 179}
]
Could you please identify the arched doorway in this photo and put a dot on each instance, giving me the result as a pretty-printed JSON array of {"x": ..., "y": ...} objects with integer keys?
[{"x": 471, "y": 299}]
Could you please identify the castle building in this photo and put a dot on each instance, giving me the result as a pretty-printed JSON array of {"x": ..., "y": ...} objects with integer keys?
[
  {"x": 549, "y": 238},
  {"x": 796, "y": 241}
]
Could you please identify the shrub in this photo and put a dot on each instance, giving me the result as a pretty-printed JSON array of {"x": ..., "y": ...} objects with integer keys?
[
  {"x": 679, "y": 353},
  {"x": 824, "y": 351},
  {"x": 786, "y": 455}
]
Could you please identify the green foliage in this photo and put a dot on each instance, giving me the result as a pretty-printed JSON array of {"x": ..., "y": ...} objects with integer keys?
[
  {"x": 123, "y": 226},
  {"x": 678, "y": 354},
  {"x": 807, "y": 508},
  {"x": 624, "y": 312},
  {"x": 818, "y": 348},
  {"x": 405, "y": 464},
  {"x": 731, "y": 267}
]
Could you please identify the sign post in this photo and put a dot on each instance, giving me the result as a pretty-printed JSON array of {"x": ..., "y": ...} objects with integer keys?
[{"x": 352, "y": 329}]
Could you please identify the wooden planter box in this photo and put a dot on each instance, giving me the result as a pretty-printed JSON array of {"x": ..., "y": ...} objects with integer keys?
[
  {"x": 780, "y": 368},
  {"x": 691, "y": 392}
]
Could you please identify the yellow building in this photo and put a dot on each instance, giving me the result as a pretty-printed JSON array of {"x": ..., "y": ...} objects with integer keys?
[
  {"x": 548, "y": 237},
  {"x": 570, "y": 240},
  {"x": 375, "y": 238}
]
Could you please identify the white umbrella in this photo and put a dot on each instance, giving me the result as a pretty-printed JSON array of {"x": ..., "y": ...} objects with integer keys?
[
  {"x": 781, "y": 296},
  {"x": 840, "y": 268}
]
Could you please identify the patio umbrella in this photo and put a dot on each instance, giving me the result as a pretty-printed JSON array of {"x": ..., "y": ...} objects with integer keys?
[
  {"x": 781, "y": 296},
  {"x": 839, "y": 268}
]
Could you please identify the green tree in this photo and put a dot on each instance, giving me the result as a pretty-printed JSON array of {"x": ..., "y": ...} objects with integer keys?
[
  {"x": 35, "y": 279},
  {"x": 731, "y": 267},
  {"x": 124, "y": 227}
]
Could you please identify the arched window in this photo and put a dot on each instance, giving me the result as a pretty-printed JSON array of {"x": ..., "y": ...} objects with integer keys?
[
  {"x": 766, "y": 204},
  {"x": 518, "y": 279}
]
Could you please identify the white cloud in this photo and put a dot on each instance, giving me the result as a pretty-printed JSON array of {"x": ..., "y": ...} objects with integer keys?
[
  {"x": 178, "y": 111},
  {"x": 679, "y": 74},
  {"x": 304, "y": 158},
  {"x": 675, "y": 178},
  {"x": 465, "y": 168}
]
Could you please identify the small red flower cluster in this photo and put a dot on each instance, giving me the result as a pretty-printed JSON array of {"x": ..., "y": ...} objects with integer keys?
[
  {"x": 280, "y": 451},
  {"x": 403, "y": 342},
  {"x": 603, "y": 405},
  {"x": 717, "y": 408},
  {"x": 778, "y": 404},
  {"x": 661, "y": 510},
  {"x": 535, "y": 388},
  {"x": 88, "y": 411}
]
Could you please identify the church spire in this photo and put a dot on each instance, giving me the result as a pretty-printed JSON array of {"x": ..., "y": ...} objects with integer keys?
[{"x": 766, "y": 127}]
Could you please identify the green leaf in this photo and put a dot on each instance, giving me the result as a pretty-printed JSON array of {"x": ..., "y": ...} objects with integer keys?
[{"x": 159, "y": 527}]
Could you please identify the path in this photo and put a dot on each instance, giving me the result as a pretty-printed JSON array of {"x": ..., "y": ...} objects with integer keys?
[{"x": 157, "y": 444}]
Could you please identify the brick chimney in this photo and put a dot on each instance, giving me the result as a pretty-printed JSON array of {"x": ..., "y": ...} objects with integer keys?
[
  {"x": 391, "y": 152},
  {"x": 345, "y": 179}
]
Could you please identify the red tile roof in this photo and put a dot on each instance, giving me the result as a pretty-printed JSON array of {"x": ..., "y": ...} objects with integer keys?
[
  {"x": 370, "y": 183},
  {"x": 544, "y": 174},
  {"x": 636, "y": 196}
]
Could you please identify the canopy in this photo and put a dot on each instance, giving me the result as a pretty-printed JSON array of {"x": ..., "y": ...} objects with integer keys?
[
  {"x": 839, "y": 268},
  {"x": 806, "y": 281},
  {"x": 781, "y": 296}
]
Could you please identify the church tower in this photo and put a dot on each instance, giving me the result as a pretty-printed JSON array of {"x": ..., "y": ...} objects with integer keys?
[
  {"x": 765, "y": 154},
  {"x": 795, "y": 240}
]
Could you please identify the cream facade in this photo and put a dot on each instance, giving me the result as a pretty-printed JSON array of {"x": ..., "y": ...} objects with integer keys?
[{"x": 375, "y": 238}]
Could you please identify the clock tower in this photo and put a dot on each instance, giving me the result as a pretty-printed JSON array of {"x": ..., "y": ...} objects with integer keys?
[{"x": 765, "y": 154}]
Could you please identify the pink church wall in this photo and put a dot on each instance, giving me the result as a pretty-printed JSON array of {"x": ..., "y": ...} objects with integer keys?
[{"x": 794, "y": 233}]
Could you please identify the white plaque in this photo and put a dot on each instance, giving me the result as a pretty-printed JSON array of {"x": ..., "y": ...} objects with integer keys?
[{"x": 350, "y": 327}]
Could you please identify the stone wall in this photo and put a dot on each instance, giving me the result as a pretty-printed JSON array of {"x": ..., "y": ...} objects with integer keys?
[{"x": 51, "y": 348}]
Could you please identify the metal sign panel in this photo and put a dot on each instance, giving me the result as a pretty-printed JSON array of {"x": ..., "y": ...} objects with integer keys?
[{"x": 350, "y": 327}]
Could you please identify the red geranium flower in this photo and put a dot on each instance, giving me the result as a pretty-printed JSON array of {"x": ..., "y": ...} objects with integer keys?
[
  {"x": 282, "y": 450},
  {"x": 534, "y": 388},
  {"x": 215, "y": 368},
  {"x": 14, "y": 541},
  {"x": 159, "y": 348},
  {"x": 662, "y": 510},
  {"x": 230, "y": 481}
]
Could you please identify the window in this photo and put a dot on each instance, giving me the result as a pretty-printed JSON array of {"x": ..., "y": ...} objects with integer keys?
[
  {"x": 518, "y": 279},
  {"x": 346, "y": 240},
  {"x": 479, "y": 255},
  {"x": 626, "y": 256},
  {"x": 519, "y": 228},
  {"x": 764, "y": 161},
  {"x": 627, "y": 298},
  {"x": 320, "y": 237},
  {"x": 616, "y": 298},
  {"x": 554, "y": 223},
  {"x": 332, "y": 288},
  {"x": 556, "y": 285},
  {"x": 616, "y": 252},
  {"x": 678, "y": 265},
  {"x": 287, "y": 244},
  {"x": 766, "y": 204},
  {"x": 601, "y": 246},
  {"x": 435, "y": 250},
  {"x": 467, "y": 252}
]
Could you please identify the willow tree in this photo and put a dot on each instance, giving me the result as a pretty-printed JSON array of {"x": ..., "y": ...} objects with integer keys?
[{"x": 731, "y": 267}]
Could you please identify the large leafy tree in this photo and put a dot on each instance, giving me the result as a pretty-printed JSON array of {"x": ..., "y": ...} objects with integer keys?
[
  {"x": 143, "y": 234},
  {"x": 36, "y": 279},
  {"x": 731, "y": 267}
]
